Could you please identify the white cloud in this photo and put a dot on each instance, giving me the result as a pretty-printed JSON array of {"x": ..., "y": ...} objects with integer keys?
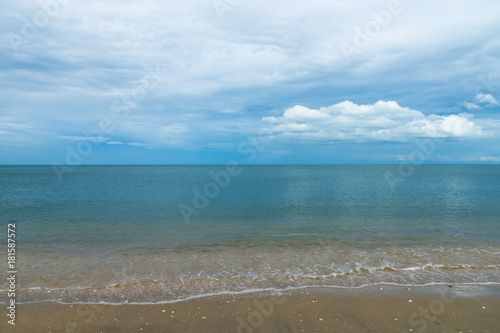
[
  {"x": 138, "y": 144},
  {"x": 487, "y": 99},
  {"x": 264, "y": 54},
  {"x": 85, "y": 138},
  {"x": 258, "y": 44},
  {"x": 382, "y": 121},
  {"x": 405, "y": 157},
  {"x": 490, "y": 159},
  {"x": 471, "y": 106}
]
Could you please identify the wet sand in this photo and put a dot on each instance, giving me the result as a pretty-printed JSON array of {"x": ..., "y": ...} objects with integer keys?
[{"x": 376, "y": 309}]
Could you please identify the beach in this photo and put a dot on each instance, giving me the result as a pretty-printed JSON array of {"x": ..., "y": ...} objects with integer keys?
[
  {"x": 376, "y": 309},
  {"x": 250, "y": 166}
]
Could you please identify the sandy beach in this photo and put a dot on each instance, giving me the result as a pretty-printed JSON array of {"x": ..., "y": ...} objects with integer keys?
[{"x": 375, "y": 309}]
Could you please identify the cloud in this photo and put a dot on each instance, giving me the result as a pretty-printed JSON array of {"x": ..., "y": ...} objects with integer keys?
[
  {"x": 490, "y": 159},
  {"x": 138, "y": 144},
  {"x": 471, "y": 106},
  {"x": 85, "y": 138},
  {"x": 405, "y": 157},
  {"x": 487, "y": 99},
  {"x": 382, "y": 121},
  {"x": 220, "y": 77}
]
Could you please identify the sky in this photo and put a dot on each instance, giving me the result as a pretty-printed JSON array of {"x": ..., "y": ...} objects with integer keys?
[{"x": 256, "y": 82}]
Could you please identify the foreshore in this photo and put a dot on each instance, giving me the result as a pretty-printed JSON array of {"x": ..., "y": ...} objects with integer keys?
[{"x": 444, "y": 308}]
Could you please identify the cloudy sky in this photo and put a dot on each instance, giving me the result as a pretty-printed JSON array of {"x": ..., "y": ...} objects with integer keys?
[{"x": 204, "y": 81}]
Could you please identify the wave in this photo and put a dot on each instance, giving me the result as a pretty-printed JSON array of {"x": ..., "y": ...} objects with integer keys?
[{"x": 259, "y": 290}]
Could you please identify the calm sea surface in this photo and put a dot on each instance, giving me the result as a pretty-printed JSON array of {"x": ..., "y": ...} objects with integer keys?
[{"x": 165, "y": 233}]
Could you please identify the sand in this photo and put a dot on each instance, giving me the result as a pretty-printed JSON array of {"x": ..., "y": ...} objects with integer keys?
[{"x": 376, "y": 309}]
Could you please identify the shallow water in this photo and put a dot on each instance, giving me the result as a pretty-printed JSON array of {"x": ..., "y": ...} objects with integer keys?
[{"x": 116, "y": 234}]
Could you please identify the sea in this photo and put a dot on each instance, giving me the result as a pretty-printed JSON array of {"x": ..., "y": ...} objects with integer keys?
[{"x": 157, "y": 234}]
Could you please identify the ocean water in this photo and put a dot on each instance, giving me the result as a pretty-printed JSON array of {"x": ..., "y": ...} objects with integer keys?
[{"x": 117, "y": 234}]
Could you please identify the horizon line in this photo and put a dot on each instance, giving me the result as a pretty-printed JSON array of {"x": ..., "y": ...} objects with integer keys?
[{"x": 262, "y": 164}]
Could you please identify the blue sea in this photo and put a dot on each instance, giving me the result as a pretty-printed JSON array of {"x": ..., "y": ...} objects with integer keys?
[{"x": 148, "y": 234}]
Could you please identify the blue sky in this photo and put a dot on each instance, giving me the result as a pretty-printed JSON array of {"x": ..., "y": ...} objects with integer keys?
[{"x": 206, "y": 82}]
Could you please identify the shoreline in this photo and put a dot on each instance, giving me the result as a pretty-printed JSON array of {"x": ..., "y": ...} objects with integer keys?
[
  {"x": 492, "y": 290},
  {"x": 370, "y": 309}
]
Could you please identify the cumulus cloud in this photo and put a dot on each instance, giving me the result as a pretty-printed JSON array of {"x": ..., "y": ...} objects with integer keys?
[
  {"x": 487, "y": 99},
  {"x": 382, "y": 121}
]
